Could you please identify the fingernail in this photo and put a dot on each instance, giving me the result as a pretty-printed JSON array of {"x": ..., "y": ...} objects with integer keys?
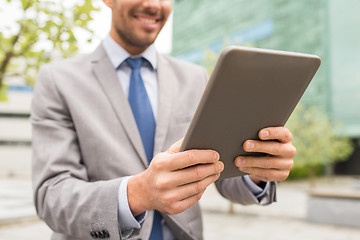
[
  {"x": 241, "y": 161},
  {"x": 216, "y": 156},
  {"x": 220, "y": 166},
  {"x": 264, "y": 134},
  {"x": 250, "y": 145}
]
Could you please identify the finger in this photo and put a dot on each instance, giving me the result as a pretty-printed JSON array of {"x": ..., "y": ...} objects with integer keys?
[
  {"x": 281, "y": 134},
  {"x": 188, "y": 202},
  {"x": 267, "y": 175},
  {"x": 284, "y": 150},
  {"x": 188, "y": 190},
  {"x": 180, "y": 206},
  {"x": 267, "y": 162},
  {"x": 175, "y": 148},
  {"x": 197, "y": 173},
  {"x": 189, "y": 158},
  {"x": 182, "y": 197}
]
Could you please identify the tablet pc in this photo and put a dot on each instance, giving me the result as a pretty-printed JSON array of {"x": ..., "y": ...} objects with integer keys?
[{"x": 249, "y": 89}]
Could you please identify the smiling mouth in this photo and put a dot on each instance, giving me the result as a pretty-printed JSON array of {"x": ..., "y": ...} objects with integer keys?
[{"x": 147, "y": 20}]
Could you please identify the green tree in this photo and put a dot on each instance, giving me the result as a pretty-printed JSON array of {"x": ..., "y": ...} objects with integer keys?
[
  {"x": 45, "y": 22},
  {"x": 316, "y": 143}
]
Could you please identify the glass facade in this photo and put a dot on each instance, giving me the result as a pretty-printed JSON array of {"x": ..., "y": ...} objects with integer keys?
[{"x": 328, "y": 28}]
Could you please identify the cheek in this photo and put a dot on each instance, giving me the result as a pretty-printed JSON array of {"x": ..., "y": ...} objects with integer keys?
[
  {"x": 120, "y": 19},
  {"x": 166, "y": 7}
]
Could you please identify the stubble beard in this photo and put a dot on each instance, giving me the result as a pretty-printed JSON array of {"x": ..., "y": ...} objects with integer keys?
[{"x": 131, "y": 40}]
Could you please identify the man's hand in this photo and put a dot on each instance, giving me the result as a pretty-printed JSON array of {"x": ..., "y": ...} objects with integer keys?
[
  {"x": 276, "y": 166},
  {"x": 174, "y": 181}
]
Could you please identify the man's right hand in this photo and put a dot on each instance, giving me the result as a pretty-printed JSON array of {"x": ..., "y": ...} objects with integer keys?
[{"x": 174, "y": 181}]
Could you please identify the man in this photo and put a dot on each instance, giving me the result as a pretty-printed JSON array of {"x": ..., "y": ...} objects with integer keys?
[{"x": 102, "y": 165}]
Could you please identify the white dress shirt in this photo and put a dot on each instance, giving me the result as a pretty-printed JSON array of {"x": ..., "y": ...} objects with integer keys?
[{"x": 148, "y": 72}]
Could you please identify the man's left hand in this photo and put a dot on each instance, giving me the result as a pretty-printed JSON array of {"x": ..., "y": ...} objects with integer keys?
[{"x": 276, "y": 142}]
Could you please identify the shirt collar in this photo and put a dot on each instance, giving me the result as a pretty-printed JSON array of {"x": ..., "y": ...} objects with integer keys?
[{"x": 118, "y": 55}]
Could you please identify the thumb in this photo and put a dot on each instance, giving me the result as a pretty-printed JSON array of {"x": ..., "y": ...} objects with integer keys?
[{"x": 175, "y": 148}]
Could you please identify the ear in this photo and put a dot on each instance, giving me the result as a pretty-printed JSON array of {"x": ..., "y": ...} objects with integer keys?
[{"x": 108, "y": 3}]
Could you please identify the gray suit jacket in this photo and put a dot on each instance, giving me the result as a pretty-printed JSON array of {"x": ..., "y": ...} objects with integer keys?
[{"x": 85, "y": 140}]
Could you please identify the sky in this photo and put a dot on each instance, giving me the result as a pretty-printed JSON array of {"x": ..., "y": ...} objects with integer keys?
[{"x": 9, "y": 13}]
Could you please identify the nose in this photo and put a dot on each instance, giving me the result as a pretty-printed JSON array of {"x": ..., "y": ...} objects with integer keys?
[{"x": 154, "y": 5}]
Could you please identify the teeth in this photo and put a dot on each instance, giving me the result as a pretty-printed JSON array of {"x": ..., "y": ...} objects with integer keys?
[{"x": 148, "y": 21}]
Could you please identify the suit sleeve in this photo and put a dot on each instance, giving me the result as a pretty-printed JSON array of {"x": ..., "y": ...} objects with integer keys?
[
  {"x": 65, "y": 198},
  {"x": 236, "y": 190}
]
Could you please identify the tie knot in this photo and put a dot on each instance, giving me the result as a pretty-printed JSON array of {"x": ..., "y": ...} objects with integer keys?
[{"x": 135, "y": 63}]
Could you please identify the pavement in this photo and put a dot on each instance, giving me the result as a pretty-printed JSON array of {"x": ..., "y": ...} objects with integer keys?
[
  {"x": 285, "y": 219},
  {"x": 16, "y": 204}
]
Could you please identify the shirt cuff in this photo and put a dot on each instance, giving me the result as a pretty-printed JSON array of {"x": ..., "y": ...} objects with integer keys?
[
  {"x": 127, "y": 221},
  {"x": 254, "y": 188}
]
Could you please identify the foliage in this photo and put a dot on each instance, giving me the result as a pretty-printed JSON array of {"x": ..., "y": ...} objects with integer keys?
[
  {"x": 316, "y": 143},
  {"x": 47, "y": 23},
  {"x": 301, "y": 172},
  {"x": 3, "y": 96},
  {"x": 209, "y": 60}
]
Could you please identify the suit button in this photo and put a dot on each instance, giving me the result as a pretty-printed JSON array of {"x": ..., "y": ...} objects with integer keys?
[
  {"x": 94, "y": 235},
  {"x": 106, "y": 233}
]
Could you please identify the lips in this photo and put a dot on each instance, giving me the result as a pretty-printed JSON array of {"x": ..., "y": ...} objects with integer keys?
[{"x": 148, "y": 21}]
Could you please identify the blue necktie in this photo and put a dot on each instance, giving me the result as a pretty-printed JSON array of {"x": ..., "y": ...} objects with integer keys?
[
  {"x": 145, "y": 121},
  {"x": 141, "y": 107}
]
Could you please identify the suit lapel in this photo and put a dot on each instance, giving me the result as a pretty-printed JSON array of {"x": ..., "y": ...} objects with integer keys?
[
  {"x": 108, "y": 80},
  {"x": 167, "y": 88}
]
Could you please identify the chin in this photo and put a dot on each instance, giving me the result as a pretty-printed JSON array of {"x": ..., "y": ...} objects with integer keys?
[
  {"x": 145, "y": 41},
  {"x": 139, "y": 39}
]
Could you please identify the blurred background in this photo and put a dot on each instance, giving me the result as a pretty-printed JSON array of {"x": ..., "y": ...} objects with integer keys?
[{"x": 321, "y": 198}]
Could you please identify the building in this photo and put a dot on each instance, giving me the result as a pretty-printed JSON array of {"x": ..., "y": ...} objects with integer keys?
[{"x": 328, "y": 28}]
